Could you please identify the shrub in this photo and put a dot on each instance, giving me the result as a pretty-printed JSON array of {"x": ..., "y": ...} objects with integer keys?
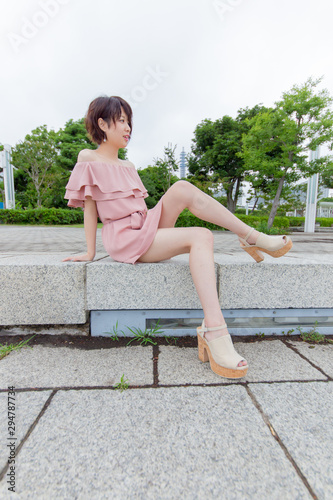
[
  {"x": 263, "y": 228},
  {"x": 300, "y": 221},
  {"x": 63, "y": 216},
  {"x": 325, "y": 221},
  {"x": 254, "y": 220},
  {"x": 296, "y": 221},
  {"x": 186, "y": 219},
  {"x": 47, "y": 216}
]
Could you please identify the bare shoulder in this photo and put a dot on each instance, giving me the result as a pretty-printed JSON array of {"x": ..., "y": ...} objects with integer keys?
[
  {"x": 87, "y": 155},
  {"x": 128, "y": 163}
]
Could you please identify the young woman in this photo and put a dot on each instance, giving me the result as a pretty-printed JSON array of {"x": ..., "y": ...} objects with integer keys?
[{"x": 111, "y": 188}]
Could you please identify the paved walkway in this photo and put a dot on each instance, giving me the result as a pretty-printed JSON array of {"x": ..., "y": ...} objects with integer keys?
[
  {"x": 22, "y": 239},
  {"x": 179, "y": 431}
]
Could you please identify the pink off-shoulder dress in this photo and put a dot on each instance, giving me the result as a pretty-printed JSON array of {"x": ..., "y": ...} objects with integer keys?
[{"x": 129, "y": 228}]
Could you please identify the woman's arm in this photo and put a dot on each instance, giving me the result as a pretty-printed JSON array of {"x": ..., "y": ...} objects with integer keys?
[{"x": 90, "y": 228}]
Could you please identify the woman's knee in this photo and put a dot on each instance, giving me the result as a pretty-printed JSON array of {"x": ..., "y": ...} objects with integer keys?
[
  {"x": 204, "y": 236},
  {"x": 183, "y": 189}
]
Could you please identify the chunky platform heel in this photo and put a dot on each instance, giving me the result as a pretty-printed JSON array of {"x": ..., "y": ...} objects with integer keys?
[
  {"x": 220, "y": 353},
  {"x": 276, "y": 246}
]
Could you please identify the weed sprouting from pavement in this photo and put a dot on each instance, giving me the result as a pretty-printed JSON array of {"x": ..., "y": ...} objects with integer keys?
[{"x": 6, "y": 349}]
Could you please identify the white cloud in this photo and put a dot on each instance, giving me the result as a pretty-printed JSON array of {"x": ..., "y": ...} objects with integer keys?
[{"x": 215, "y": 66}]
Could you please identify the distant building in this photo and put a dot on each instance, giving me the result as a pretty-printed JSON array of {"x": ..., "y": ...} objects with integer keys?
[
  {"x": 326, "y": 193},
  {"x": 183, "y": 165}
]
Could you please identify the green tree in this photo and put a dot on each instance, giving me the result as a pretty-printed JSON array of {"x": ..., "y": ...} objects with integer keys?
[
  {"x": 327, "y": 178},
  {"x": 70, "y": 140},
  {"x": 36, "y": 157},
  {"x": 203, "y": 182},
  {"x": 2, "y": 192},
  {"x": 167, "y": 166},
  {"x": 154, "y": 181},
  {"x": 24, "y": 190},
  {"x": 275, "y": 149},
  {"x": 215, "y": 153},
  {"x": 158, "y": 178}
]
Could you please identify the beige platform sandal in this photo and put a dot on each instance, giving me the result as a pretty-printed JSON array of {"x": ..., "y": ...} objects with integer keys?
[
  {"x": 276, "y": 246},
  {"x": 220, "y": 353}
]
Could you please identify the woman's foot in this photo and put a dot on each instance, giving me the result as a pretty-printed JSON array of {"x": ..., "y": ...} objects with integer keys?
[
  {"x": 252, "y": 239},
  {"x": 209, "y": 336},
  {"x": 220, "y": 352},
  {"x": 254, "y": 243}
]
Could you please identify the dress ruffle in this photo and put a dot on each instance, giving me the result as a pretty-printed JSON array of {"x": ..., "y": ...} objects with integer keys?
[
  {"x": 102, "y": 181},
  {"x": 129, "y": 228}
]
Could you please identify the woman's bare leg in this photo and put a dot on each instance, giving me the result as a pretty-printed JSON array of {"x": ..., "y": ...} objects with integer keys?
[
  {"x": 170, "y": 241},
  {"x": 183, "y": 194},
  {"x": 199, "y": 243}
]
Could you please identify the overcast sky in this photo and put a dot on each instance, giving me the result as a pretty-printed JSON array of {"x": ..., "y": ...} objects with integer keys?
[{"x": 176, "y": 61}]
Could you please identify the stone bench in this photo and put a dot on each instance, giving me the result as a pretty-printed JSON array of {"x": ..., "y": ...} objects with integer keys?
[{"x": 42, "y": 293}]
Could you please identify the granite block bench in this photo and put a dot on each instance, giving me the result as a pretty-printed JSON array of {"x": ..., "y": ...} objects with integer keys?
[{"x": 40, "y": 292}]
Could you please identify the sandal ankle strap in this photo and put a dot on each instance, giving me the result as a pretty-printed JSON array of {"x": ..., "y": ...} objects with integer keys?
[
  {"x": 206, "y": 329},
  {"x": 248, "y": 234}
]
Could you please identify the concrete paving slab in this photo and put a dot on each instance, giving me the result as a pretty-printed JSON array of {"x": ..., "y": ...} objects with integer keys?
[
  {"x": 65, "y": 367},
  {"x": 320, "y": 355},
  {"x": 27, "y": 407},
  {"x": 180, "y": 365},
  {"x": 308, "y": 247},
  {"x": 302, "y": 415},
  {"x": 271, "y": 360},
  {"x": 45, "y": 239},
  {"x": 189, "y": 443},
  {"x": 268, "y": 361}
]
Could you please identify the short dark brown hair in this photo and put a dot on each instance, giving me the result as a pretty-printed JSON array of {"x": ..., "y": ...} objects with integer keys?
[{"x": 108, "y": 108}]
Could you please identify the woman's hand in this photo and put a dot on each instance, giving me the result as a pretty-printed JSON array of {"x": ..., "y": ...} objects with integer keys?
[
  {"x": 79, "y": 258},
  {"x": 90, "y": 227}
]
